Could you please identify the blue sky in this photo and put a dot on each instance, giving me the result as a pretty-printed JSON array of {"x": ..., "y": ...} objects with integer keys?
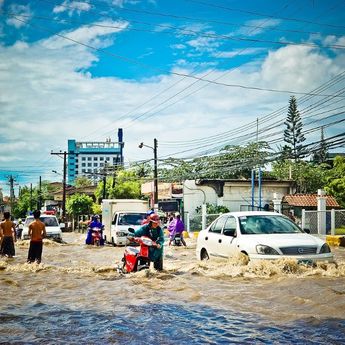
[{"x": 192, "y": 73}]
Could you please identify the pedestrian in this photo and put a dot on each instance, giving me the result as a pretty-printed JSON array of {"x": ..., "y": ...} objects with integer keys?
[
  {"x": 176, "y": 227},
  {"x": 291, "y": 216},
  {"x": 20, "y": 227},
  {"x": 37, "y": 231},
  {"x": 7, "y": 236}
]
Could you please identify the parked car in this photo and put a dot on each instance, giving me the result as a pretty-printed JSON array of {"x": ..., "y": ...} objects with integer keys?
[
  {"x": 52, "y": 226},
  {"x": 260, "y": 235}
]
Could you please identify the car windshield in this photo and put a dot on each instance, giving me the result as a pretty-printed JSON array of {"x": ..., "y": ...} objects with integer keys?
[
  {"x": 48, "y": 221},
  {"x": 131, "y": 218},
  {"x": 259, "y": 224}
]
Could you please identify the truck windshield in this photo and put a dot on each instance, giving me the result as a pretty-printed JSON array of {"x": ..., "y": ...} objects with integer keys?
[{"x": 131, "y": 218}]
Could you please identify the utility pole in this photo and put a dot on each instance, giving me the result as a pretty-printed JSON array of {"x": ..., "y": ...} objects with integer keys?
[
  {"x": 155, "y": 171},
  {"x": 63, "y": 182},
  {"x": 30, "y": 197},
  {"x": 155, "y": 201},
  {"x": 11, "y": 182},
  {"x": 39, "y": 200}
]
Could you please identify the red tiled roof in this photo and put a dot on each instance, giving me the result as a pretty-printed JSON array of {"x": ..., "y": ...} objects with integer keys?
[{"x": 308, "y": 200}]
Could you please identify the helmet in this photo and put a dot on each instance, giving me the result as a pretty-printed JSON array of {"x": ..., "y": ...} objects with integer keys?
[
  {"x": 177, "y": 214},
  {"x": 154, "y": 218},
  {"x": 149, "y": 212},
  {"x": 95, "y": 217}
]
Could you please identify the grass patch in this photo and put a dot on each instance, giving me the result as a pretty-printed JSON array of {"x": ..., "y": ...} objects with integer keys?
[{"x": 340, "y": 231}]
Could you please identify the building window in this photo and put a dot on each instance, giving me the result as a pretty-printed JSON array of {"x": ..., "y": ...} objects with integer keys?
[
  {"x": 83, "y": 170},
  {"x": 89, "y": 164},
  {"x": 89, "y": 158},
  {"x": 101, "y": 158},
  {"x": 83, "y": 158},
  {"x": 95, "y": 158},
  {"x": 95, "y": 164},
  {"x": 107, "y": 158},
  {"x": 101, "y": 164},
  {"x": 83, "y": 164}
]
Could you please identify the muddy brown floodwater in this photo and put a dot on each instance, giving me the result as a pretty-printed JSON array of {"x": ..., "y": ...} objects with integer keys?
[{"x": 76, "y": 296}]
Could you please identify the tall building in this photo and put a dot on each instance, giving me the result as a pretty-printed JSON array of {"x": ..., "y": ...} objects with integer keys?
[{"x": 90, "y": 158}]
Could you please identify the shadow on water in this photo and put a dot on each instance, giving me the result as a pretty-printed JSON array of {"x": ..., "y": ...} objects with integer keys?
[{"x": 158, "y": 324}]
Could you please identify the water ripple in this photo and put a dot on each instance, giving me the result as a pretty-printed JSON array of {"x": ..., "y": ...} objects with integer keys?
[{"x": 39, "y": 323}]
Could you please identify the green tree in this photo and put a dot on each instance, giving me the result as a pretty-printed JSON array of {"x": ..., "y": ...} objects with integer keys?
[
  {"x": 127, "y": 185},
  {"x": 79, "y": 204},
  {"x": 82, "y": 181},
  {"x": 232, "y": 162},
  {"x": 293, "y": 135},
  {"x": 320, "y": 156},
  {"x": 308, "y": 177},
  {"x": 335, "y": 185}
]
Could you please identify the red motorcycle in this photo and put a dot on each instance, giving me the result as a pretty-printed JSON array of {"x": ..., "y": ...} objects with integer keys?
[
  {"x": 96, "y": 236},
  {"x": 136, "y": 259}
]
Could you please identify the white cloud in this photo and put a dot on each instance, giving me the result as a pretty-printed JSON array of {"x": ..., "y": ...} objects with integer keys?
[
  {"x": 257, "y": 26},
  {"x": 45, "y": 99},
  {"x": 19, "y": 10},
  {"x": 238, "y": 52},
  {"x": 72, "y": 7},
  {"x": 90, "y": 35}
]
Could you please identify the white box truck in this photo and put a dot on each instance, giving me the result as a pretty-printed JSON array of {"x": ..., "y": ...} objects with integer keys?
[{"x": 120, "y": 214}]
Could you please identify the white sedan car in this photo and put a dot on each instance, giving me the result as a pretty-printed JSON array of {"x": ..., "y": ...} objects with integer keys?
[
  {"x": 53, "y": 229},
  {"x": 260, "y": 235}
]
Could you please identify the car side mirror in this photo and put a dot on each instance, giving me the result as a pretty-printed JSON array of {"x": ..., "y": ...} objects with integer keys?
[
  {"x": 131, "y": 230},
  {"x": 307, "y": 231}
]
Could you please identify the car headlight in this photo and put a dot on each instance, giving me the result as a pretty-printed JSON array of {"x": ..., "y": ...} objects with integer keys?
[
  {"x": 325, "y": 249},
  {"x": 265, "y": 250}
]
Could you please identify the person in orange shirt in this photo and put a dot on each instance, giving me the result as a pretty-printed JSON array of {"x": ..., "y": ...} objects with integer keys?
[
  {"x": 7, "y": 236},
  {"x": 37, "y": 231}
]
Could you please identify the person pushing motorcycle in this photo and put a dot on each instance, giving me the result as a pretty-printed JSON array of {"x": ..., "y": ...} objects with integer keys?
[{"x": 153, "y": 230}]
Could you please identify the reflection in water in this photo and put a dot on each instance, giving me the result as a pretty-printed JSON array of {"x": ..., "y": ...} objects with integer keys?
[
  {"x": 77, "y": 296},
  {"x": 158, "y": 324}
]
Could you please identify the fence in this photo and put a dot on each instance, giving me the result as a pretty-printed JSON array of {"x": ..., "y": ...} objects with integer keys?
[{"x": 323, "y": 222}]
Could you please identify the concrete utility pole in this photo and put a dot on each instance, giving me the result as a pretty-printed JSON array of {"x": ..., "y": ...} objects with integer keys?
[
  {"x": 155, "y": 201},
  {"x": 63, "y": 181},
  {"x": 39, "y": 199},
  {"x": 11, "y": 181},
  {"x": 155, "y": 171}
]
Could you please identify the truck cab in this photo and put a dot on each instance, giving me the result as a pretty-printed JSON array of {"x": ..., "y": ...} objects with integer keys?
[
  {"x": 122, "y": 221},
  {"x": 118, "y": 215}
]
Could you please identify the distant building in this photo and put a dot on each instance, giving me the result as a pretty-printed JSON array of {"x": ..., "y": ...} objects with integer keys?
[{"x": 90, "y": 158}]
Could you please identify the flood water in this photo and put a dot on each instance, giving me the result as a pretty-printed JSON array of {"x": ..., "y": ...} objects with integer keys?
[{"x": 76, "y": 296}]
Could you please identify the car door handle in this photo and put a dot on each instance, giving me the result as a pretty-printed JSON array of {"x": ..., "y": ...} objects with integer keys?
[
  {"x": 206, "y": 238},
  {"x": 219, "y": 241}
]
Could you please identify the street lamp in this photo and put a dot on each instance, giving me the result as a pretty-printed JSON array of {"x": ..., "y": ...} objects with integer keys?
[{"x": 155, "y": 172}]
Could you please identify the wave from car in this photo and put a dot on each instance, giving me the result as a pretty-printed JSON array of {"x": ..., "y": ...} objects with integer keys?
[
  {"x": 260, "y": 235},
  {"x": 53, "y": 229}
]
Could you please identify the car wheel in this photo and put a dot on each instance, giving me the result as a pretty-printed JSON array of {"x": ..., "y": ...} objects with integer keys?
[
  {"x": 113, "y": 242},
  {"x": 204, "y": 254}
]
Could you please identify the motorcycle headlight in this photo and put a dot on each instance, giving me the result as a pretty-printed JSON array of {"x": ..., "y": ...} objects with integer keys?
[
  {"x": 325, "y": 249},
  {"x": 265, "y": 250}
]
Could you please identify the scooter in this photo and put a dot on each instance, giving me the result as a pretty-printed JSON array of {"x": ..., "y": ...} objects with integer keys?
[
  {"x": 134, "y": 258},
  {"x": 94, "y": 237},
  {"x": 177, "y": 240}
]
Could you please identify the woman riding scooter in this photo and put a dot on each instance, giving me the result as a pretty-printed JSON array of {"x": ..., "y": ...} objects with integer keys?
[
  {"x": 95, "y": 224},
  {"x": 155, "y": 233}
]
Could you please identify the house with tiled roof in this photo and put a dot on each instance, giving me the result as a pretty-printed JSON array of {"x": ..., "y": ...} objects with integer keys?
[{"x": 297, "y": 202}]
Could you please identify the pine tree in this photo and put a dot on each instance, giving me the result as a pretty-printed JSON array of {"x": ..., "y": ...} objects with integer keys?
[
  {"x": 293, "y": 135},
  {"x": 320, "y": 155}
]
